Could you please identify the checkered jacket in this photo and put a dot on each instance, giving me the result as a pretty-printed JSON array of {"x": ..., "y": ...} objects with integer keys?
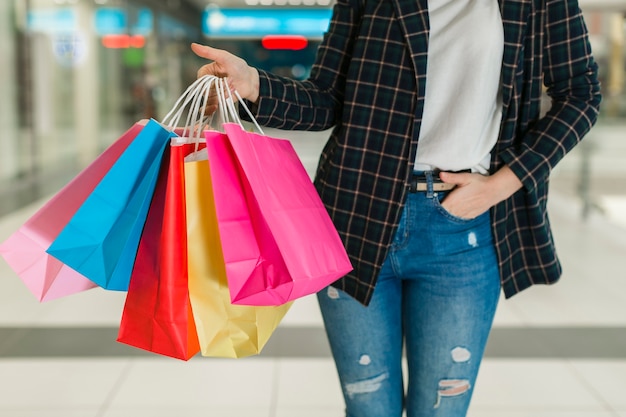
[{"x": 368, "y": 82}]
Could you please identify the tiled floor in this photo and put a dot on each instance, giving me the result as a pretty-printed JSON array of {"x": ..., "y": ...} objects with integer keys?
[{"x": 589, "y": 304}]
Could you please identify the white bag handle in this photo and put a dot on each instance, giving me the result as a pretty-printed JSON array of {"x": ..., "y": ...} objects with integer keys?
[
  {"x": 197, "y": 120},
  {"x": 172, "y": 119},
  {"x": 228, "y": 103},
  {"x": 196, "y": 97}
]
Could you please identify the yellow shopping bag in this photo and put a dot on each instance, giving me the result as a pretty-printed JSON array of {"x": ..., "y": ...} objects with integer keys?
[{"x": 224, "y": 329}]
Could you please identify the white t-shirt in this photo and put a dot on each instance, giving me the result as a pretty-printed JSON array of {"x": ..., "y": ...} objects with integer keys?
[{"x": 463, "y": 104}]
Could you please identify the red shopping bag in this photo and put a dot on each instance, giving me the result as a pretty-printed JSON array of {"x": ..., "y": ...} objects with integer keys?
[
  {"x": 278, "y": 240},
  {"x": 157, "y": 314},
  {"x": 25, "y": 250}
]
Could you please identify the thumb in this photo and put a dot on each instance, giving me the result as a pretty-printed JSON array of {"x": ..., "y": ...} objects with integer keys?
[{"x": 453, "y": 178}]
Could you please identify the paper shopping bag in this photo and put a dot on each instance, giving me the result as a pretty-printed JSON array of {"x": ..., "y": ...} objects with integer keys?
[
  {"x": 25, "y": 250},
  {"x": 224, "y": 329},
  {"x": 101, "y": 239},
  {"x": 278, "y": 240},
  {"x": 157, "y": 314}
]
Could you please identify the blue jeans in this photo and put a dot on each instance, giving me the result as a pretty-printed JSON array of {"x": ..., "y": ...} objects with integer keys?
[{"x": 436, "y": 296}]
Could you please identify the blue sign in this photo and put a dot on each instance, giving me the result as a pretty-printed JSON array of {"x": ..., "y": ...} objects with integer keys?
[
  {"x": 113, "y": 21},
  {"x": 246, "y": 23},
  {"x": 106, "y": 21},
  {"x": 52, "y": 20}
]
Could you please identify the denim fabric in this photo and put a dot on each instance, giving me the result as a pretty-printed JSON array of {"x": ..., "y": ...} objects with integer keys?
[{"x": 437, "y": 292}]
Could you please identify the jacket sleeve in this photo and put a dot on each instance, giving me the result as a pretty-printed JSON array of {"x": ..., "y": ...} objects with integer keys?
[
  {"x": 571, "y": 78},
  {"x": 316, "y": 103}
]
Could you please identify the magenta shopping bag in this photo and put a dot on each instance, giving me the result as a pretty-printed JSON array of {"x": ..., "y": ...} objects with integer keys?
[
  {"x": 278, "y": 240},
  {"x": 25, "y": 250}
]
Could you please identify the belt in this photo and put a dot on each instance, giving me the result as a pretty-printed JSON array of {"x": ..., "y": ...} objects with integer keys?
[{"x": 419, "y": 182}]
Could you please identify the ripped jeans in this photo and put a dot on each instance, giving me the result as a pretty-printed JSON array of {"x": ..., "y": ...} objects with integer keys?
[{"x": 436, "y": 296}]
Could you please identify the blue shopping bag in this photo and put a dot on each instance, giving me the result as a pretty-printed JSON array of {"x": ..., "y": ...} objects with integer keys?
[{"x": 101, "y": 239}]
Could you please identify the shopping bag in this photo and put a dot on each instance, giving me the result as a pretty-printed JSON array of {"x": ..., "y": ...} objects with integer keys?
[
  {"x": 224, "y": 329},
  {"x": 278, "y": 240},
  {"x": 157, "y": 313},
  {"x": 25, "y": 250},
  {"x": 101, "y": 239}
]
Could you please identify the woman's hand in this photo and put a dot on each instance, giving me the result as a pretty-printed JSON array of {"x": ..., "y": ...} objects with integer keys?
[
  {"x": 475, "y": 193},
  {"x": 241, "y": 76}
]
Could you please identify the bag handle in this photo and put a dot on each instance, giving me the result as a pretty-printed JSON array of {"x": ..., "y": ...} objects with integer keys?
[
  {"x": 227, "y": 103},
  {"x": 172, "y": 119},
  {"x": 196, "y": 98}
]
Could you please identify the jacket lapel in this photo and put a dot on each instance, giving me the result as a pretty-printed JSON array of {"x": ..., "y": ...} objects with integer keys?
[
  {"x": 413, "y": 18},
  {"x": 514, "y": 17}
]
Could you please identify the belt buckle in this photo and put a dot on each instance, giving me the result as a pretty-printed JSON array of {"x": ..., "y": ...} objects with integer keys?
[{"x": 415, "y": 181}]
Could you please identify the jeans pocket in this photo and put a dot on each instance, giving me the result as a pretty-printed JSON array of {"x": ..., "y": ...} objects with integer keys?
[{"x": 446, "y": 214}]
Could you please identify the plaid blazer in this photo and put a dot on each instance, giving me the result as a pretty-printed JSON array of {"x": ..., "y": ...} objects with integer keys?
[{"x": 368, "y": 81}]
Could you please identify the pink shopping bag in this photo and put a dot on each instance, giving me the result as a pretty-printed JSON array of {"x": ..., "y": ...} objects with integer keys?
[
  {"x": 278, "y": 241},
  {"x": 25, "y": 250}
]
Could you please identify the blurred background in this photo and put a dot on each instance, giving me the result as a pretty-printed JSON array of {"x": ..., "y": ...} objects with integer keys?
[{"x": 76, "y": 74}]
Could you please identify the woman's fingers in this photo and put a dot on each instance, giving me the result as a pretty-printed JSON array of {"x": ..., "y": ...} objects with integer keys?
[
  {"x": 224, "y": 63},
  {"x": 204, "y": 51},
  {"x": 241, "y": 76}
]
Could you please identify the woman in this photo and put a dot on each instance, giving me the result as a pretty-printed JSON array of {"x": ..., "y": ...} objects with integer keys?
[{"x": 435, "y": 175}]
